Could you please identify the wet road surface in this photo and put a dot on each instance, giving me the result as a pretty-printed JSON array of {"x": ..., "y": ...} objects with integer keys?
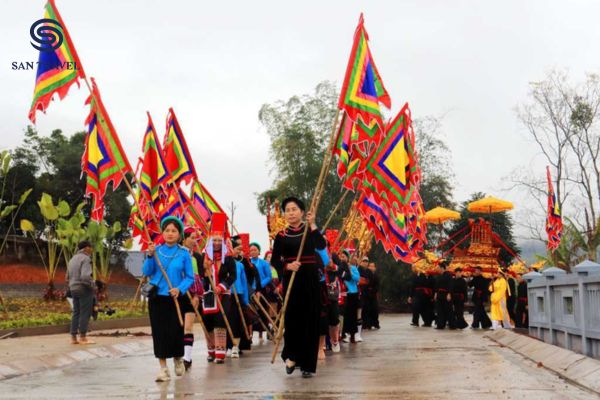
[{"x": 398, "y": 361}]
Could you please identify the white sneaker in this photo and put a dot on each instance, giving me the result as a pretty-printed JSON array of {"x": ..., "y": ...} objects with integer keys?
[
  {"x": 358, "y": 338},
  {"x": 229, "y": 353},
  {"x": 235, "y": 352},
  {"x": 163, "y": 375},
  {"x": 346, "y": 339},
  {"x": 179, "y": 367},
  {"x": 335, "y": 348}
]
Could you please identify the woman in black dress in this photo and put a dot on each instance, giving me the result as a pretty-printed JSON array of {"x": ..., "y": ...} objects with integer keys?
[{"x": 301, "y": 334}]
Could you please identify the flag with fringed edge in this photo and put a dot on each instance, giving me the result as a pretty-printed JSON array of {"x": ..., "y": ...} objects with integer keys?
[
  {"x": 203, "y": 201},
  {"x": 554, "y": 223},
  {"x": 154, "y": 175},
  {"x": 176, "y": 154},
  {"x": 54, "y": 75},
  {"x": 363, "y": 89},
  {"x": 103, "y": 160},
  {"x": 392, "y": 172}
]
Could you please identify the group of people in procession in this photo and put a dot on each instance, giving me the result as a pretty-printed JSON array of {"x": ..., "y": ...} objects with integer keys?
[
  {"x": 440, "y": 298},
  {"x": 333, "y": 297}
]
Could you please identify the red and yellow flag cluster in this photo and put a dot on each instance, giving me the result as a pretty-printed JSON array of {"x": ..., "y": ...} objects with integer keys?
[
  {"x": 379, "y": 159},
  {"x": 163, "y": 173},
  {"x": 554, "y": 223},
  {"x": 162, "y": 170}
]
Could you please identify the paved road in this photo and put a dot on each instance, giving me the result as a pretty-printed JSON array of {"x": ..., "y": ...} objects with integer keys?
[{"x": 399, "y": 361}]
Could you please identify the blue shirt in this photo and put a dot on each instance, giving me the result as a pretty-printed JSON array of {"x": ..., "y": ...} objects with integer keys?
[
  {"x": 264, "y": 271},
  {"x": 325, "y": 258},
  {"x": 177, "y": 263},
  {"x": 352, "y": 284},
  {"x": 241, "y": 283}
]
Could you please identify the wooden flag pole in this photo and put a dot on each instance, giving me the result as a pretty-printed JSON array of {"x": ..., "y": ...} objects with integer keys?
[
  {"x": 260, "y": 321},
  {"x": 198, "y": 316},
  {"x": 220, "y": 305},
  {"x": 242, "y": 318},
  {"x": 262, "y": 308},
  {"x": 335, "y": 209},
  {"x": 313, "y": 208}
]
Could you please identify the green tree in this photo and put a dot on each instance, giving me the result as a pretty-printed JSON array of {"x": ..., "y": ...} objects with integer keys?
[
  {"x": 52, "y": 164},
  {"x": 502, "y": 225},
  {"x": 299, "y": 129}
]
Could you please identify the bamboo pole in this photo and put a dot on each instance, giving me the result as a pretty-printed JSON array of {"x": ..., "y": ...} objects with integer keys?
[
  {"x": 336, "y": 208},
  {"x": 220, "y": 305},
  {"x": 198, "y": 316},
  {"x": 266, "y": 328},
  {"x": 242, "y": 318},
  {"x": 313, "y": 208},
  {"x": 261, "y": 308}
]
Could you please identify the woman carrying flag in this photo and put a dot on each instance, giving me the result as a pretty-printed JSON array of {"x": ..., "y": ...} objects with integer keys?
[
  {"x": 301, "y": 330},
  {"x": 167, "y": 332}
]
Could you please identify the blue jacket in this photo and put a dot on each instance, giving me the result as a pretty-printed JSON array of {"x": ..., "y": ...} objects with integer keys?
[
  {"x": 325, "y": 258},
  {"x": 177, "y": 263},
  {"x": 352, "y": 284},
  {"x": 264, "y": 271},
  {"x": 241, "y": 283}
]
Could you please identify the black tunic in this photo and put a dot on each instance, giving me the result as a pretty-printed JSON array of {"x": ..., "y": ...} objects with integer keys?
[
  {"x": 480, "y": 286},
  {"x": 301, "y": 335}
]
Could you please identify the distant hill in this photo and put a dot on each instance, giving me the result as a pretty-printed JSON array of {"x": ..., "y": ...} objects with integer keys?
[{"x": 529, "y": 248}]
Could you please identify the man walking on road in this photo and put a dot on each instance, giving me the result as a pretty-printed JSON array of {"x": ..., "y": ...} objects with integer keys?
[{"x": 81, "y": 285}]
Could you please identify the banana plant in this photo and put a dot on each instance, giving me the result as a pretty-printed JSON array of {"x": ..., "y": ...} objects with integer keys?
[
  {"x": 51, "y": 215},
  {"x": 587, "y": 242},
  {"x": 102, "y": 238},
  {"x": 7, "y": 210},
  {"x": 70, "y": 232}
]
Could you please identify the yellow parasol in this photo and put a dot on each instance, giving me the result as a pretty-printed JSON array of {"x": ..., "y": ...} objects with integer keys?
[
  {"x": 489, "y": 205},
  {"x": 439, "y": 215}
]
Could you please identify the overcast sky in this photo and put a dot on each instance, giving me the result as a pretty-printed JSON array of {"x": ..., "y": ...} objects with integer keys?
[{"x": 216, "y": 63}]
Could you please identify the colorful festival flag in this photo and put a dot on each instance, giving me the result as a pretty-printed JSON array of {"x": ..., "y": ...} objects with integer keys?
[
  {"x": 154, "y": 175},
  {"x": 355, "y": 142},
  {"x": 554, "y": 223},
  {"x": 57, "y": 69},
  {"x": 363, "y": 88},
  {"x": 204, "y": 202},
  {"x": 103, "y": 159},
  {"x": 392, "y": 172},
  {"x": 139, "y": 218},
  {"x": 176, "y": 154}
]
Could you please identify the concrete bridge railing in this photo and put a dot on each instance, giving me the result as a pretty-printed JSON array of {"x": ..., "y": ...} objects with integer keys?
[{"x": 564, "y": 308}]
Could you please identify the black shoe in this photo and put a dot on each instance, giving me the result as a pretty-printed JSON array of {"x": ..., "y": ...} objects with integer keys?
[
  {"x": 413, "y": 324},
  {"x": 187, "y": 365},
  {"x": 426, "y": 326},
  {"x": 210, "y": 358},
  {"x": 289, "y": 370},
  {"x": 306, "y": 374}
]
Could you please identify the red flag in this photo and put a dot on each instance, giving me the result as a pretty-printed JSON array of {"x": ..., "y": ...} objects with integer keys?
[{"x": 554, "y": 219}]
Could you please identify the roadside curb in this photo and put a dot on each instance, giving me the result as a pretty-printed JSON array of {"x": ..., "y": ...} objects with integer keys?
[
  {"x": 26, "y": 366},
  {"x": 573, "y": 367}
]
